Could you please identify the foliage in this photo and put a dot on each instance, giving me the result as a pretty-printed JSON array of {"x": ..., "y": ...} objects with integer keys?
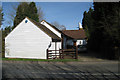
[
  {"x": 1, "y": 16},
  {"x": 32, "y": 12},
  {"x": 3, "y": 42},
  {"x": 26, "y": 10},
  {"x": 87, "y": 22},
  {"x": 21, "y": 13},
  {"x": 40, "y": 14},
  {"x": 103, "y": 28},
  {"x": 5, "y": 32}
]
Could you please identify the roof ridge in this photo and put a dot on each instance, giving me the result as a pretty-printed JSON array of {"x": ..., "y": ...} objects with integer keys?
[
  {"x": 39, "y": 25},
  {"x": 52, "y": 26}
]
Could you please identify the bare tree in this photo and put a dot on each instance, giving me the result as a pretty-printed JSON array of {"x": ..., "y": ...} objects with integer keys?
[
  {"x": 40, "y": 13},
  {"x": 11, "y": 14},
  {"x": 57, "y": 25},
  {"x": 1, "y": 15},
  {"x": 63, "y": 27}
]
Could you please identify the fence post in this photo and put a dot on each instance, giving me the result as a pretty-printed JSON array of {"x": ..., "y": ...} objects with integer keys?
[
  {"x": 47, "y": 53},
  {"x": 59, "y": 54},
  {"x": 62, "y": 54},
  {"x": 76, "y": 52}
]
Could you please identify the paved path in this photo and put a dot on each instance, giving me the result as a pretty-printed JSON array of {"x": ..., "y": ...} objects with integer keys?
[{"x": 107, "y": 70}]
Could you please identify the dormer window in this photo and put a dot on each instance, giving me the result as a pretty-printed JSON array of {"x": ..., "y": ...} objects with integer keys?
[{"x": 26, "y": 21}]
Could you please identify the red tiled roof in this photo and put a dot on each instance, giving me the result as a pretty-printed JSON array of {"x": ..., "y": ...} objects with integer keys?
[{"x": 76, "y": 34}]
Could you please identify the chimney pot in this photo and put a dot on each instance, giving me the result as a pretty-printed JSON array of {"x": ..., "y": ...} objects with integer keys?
[{"x": 80, "y": 26}]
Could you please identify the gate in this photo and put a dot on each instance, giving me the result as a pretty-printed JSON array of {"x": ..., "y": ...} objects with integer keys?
[{"x": 63, "y": 54}]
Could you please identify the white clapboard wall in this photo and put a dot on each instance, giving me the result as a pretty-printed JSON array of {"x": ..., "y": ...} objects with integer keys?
[{"x": 27, "y": 41}]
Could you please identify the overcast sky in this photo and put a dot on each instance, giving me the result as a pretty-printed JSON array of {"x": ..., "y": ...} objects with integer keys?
[{"x": 65, "y": 13}]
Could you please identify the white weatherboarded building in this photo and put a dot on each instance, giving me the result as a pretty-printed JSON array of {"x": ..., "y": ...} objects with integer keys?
[{"x": 31, "y": 40}]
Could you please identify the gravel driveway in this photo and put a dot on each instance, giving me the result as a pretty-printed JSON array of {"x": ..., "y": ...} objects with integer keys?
[{"x": 32, "y": 70}]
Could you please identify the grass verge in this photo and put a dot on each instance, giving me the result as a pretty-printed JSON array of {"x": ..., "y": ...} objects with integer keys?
[{"x": 47, "y": 60}]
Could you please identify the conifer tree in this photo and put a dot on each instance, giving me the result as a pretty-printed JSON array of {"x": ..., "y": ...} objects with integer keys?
[
  {"x": 104, "y": 30},
  {"x": 21, "y": 13},
  {"x": 33, "y": 12},
  {"x": 87, "y": 22},
  {"x": 1, "y": 16},
  {"x": 26, "y": 10}
]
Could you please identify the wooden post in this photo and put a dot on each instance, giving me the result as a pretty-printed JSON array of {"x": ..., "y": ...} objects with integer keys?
[
  {"x": 55, "y": 47},
  {"x": 76, "y": 52},
  {"x": 62, "y": 54},
  {"x": 59, "y": 54},
  {"x": 62, "y": 43},
  {"x": 47, "y": 54}
]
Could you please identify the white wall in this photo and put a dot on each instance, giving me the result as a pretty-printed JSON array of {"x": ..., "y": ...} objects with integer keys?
[
  {"x": 81, "y": 42},
  {"x": 58, "y": 46},
  {"x": 53, "y": 46},
  {"x": 27, "y": 41},
  {"x": 52, "y": 29}
]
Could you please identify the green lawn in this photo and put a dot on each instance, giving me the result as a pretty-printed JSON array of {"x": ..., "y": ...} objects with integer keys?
[{"x": 47, "y": 60}]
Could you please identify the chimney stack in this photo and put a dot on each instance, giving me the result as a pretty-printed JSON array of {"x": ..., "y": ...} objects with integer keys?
[{"x": 80, "y": 26}]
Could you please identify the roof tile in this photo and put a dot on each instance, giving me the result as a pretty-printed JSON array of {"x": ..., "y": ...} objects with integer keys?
[{"x": 76, "y": 34}]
